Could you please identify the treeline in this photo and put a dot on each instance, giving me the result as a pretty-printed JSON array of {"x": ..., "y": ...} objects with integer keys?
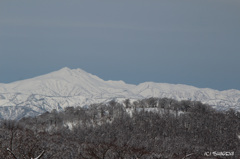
[{"x": 148, "y": 129}]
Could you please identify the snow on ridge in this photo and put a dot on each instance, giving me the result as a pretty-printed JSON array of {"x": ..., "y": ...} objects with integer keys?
[{"x": 75, "y": 87}]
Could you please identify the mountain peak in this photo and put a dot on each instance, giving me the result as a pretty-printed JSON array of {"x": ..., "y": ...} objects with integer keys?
[
  {"x": 66, "y": 73},
  {"x": 71, "y": 71},
  {"x": 75, "y": 87},
  {"x": 65, "y": 69}
]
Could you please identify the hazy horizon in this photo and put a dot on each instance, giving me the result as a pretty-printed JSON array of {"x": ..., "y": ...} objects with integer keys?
[{"x": 179, "y": 42}]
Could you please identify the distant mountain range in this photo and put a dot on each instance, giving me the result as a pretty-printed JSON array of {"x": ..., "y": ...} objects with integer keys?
[{"x": 75, "y": 87}]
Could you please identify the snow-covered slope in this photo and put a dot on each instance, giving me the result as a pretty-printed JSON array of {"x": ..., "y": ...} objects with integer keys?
[{"x": 75, "y": 87}]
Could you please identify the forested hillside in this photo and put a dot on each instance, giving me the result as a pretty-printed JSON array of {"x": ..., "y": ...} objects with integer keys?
[{"x": 148, "y": 129}]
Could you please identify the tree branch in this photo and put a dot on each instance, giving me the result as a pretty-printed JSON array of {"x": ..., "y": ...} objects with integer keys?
[
  {"x": 39, "y": 155},
  {"x": 12, "y": 153},
  {"x": 188, "y": 155}
]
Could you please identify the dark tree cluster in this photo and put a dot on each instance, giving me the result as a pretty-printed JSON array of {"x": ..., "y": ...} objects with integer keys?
[{"x": 146, "y": 129}]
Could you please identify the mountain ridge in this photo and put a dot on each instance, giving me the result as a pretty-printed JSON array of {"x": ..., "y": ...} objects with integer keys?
[{"x": 75, "y": 87}]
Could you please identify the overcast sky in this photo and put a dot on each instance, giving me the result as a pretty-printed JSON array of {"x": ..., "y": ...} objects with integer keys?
[{"x": 193, "y": 42}]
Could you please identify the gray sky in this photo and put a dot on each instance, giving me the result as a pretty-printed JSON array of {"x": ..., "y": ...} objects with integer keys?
[{"x": 194, "y": 42}]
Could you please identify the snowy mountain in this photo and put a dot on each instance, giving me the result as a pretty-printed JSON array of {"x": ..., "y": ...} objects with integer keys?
[{"x": 75, "y": 87}]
